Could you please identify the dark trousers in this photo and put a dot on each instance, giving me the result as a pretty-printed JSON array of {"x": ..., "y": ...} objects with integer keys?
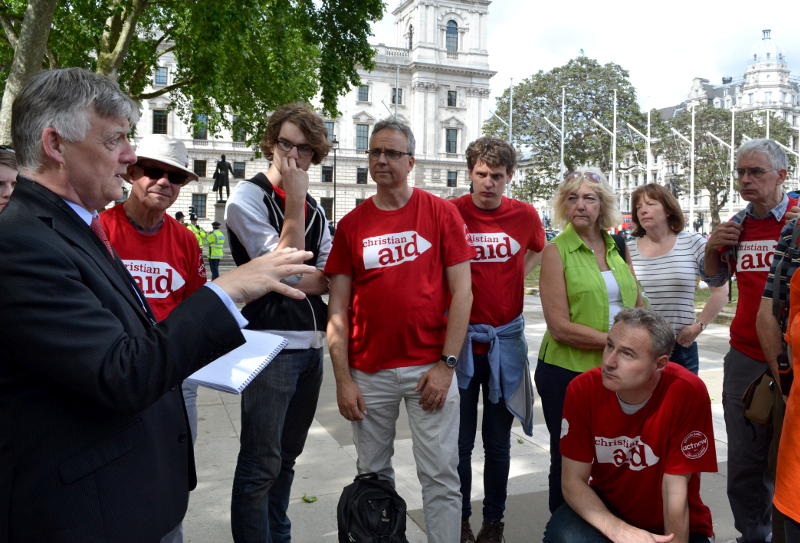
[
  {"x": 214, "y": 263},
  {"x": 792, "y": 530},
  {"x": 750, "y": 484},
  {"x": 551, "y": 384},
  {"x": 277, "y": 410},
  {"x": 496, "y": 434}
]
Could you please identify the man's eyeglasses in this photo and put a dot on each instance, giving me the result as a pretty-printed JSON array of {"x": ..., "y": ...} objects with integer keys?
[
  {"x": 173, "y": 176},
  {"x": 753, "y": 172},
  {"x": 303, "y": 149},
  {"x": 391, "y": 154}
]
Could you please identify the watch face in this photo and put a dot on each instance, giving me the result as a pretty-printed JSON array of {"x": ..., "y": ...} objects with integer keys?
[{"x": 451, "y": 361}]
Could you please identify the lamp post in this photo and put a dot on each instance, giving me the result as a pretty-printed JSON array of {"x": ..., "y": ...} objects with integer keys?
[{"x": 335, "y": 145}]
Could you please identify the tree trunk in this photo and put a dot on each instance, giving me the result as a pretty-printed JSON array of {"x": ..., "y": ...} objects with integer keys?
[{"x": 28, "y": 55}]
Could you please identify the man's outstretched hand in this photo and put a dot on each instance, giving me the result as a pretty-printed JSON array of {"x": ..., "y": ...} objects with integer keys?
[{"x": 261, "y": 275}]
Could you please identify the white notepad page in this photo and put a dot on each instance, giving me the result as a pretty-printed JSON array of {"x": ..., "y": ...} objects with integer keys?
[{"x": 232, "y": 372}]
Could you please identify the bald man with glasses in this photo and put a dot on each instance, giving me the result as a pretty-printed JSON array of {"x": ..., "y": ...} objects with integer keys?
[{"x": 271, "y": 211}]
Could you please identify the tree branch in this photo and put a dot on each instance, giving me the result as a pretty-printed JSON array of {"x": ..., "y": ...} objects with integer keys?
[
  {"x": 8, "y": 28},
  {"x": 164, "y": 90},
  {"x": 109, "y": 61}
]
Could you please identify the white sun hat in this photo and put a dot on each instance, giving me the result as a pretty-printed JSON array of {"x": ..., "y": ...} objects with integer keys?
[{"x": 169, "y": 151}]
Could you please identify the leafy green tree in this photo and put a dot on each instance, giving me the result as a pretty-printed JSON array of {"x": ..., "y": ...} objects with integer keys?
[
  {"x": 712, "y": 159},
  {"x": 589, "y": 95},
  {"x": 238, "y": 58}
]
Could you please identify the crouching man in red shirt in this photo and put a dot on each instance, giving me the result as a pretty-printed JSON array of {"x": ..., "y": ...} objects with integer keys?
[{"x": 635, "y": 435}]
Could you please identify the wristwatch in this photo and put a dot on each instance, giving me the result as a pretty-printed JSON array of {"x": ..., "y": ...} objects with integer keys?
[
  {"x": 702, "y": 325},
  {"x": 450, "y": 360}
]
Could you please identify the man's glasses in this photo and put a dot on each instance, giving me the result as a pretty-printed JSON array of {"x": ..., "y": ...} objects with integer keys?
[
  {"x": 303, "y": 149},
  {"x": 155, "y": 173},
  {"x": 756, "y": 172},
  {"x": 391, "y": 154}
]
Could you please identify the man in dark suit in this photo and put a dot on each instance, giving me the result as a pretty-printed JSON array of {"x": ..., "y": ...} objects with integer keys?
[{"x": 94, "y": 441}]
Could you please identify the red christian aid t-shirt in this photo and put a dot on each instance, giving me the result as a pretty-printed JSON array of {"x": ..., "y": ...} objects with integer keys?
[
  {"x": 167, "y": 265},
  {"x": 501, "y": 238},
  {"x": 630, "y": 454},
  {"x": 399, "y": 295}
]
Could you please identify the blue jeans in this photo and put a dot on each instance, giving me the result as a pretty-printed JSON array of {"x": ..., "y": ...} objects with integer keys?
[
  {"x": 496, "y": 433},
  {"x": 277, "y": 410},
  {"x": 686, "y": 357},
  {"x": 551, "y": 383},
  {"x": 566, "y": 526}
]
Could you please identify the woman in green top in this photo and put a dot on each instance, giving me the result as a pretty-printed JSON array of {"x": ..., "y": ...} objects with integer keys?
[{"x": 584, "y": 283}]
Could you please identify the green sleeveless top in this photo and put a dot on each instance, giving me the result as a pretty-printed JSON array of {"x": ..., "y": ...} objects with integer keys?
[{"x": 587, "y": 297}]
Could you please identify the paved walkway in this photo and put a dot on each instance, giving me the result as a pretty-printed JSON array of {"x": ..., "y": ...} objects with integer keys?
[{"x": 328, "y": 463}]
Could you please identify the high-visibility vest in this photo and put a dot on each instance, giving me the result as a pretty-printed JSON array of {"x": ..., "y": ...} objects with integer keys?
[
  {"x": 215, "y": 240},
  {"x": 199, "y": 233}
]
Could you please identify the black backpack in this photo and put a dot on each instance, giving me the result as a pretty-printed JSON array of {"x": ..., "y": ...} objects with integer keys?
[{"x": 371, "y": 511}]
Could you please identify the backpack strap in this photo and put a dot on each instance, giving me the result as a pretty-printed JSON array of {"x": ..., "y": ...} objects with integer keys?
[
  {"x": 778, "y": 303},
  {"x": 622, "y": 249}
]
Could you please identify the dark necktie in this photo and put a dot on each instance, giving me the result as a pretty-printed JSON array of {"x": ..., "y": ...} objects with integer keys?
[{"x": 97, "y": 228}]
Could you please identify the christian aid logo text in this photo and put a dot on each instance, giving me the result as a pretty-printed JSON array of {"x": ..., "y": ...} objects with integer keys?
[
  {"x": 624, "y": 450},
  {"x": 155, "y": 279},
  {"x": 755, "y": 255},
  {"x": 393, "y": 249},
  {"x": 495, "y": 247}
]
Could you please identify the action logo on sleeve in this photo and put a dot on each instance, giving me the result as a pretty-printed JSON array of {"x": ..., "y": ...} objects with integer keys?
[
  {"x": 393, "y": 249},
  {"x": 694, "y": 445}
]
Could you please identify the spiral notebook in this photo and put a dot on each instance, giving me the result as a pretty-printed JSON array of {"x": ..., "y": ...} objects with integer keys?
[{"x": 232, "y": 372}]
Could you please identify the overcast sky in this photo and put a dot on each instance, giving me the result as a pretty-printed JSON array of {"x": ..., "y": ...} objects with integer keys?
[{"x": 663, "y": 44}]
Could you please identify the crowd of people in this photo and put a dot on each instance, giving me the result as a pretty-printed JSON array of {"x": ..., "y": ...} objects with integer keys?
[{"x": 106, "y": 313}]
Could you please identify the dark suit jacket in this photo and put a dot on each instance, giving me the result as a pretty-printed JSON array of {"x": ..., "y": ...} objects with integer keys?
[{"x": 94, "y": 441}]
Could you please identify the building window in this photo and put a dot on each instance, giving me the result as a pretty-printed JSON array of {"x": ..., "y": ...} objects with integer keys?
[
  {"x": 329, "y": 130},
  {"x": 200, "y": 168},
  {"x": 452, "y": 96},
  {"x": 451, "y": 139},
  {"x": 363, "y": 93},
  {"x": 397, "y": 96},
  {"x": 199, "y": 205},
  {"x": 159, "y": 121},
  {"x": 361, "y": 176},
  {"x": 362, "y": 136},
  {"x": 451, "y": 40},
  {"x": 238, "y": 170},
  {"x": 410, "y": 36},
  {"x": 360, "y": 201},
  {"x": 161, "y": 76},
  {"x": 200, "y": 129},
  {"x": 768, "y": 97},
  {"x": 327, "y": 206},
  {"x": 452, "y": 178},
  {"x": 238, "y": 130},
  {"x": 327, "y": 174}
]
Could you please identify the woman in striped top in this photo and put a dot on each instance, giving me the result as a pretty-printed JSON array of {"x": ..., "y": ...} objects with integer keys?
[{"x": 667, "y": 261}]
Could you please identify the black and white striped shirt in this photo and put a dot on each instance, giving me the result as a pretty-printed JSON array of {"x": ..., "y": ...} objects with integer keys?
[{"x": 669, "y": 281}]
